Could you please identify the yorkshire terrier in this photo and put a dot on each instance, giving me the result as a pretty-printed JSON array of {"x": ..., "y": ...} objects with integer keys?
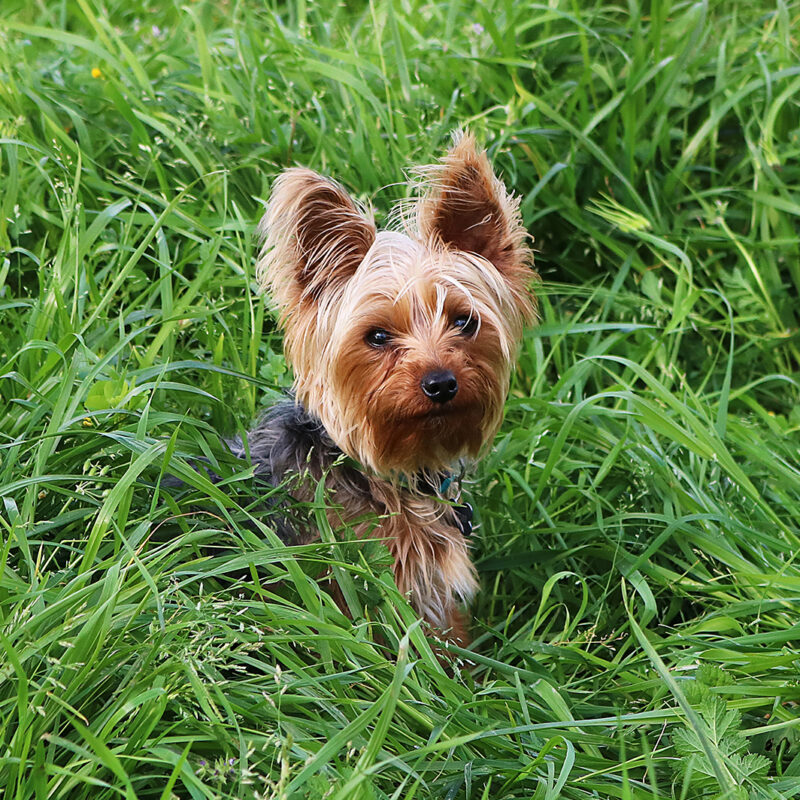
[{"x": 402, "y": 345}]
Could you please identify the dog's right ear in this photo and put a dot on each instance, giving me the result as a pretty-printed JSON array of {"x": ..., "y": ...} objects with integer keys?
[
  {"x": 466, "y": 207},
  {"x": 314, "y": 237}
]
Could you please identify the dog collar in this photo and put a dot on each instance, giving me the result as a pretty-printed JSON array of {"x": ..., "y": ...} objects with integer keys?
[
  {"x": 464, "y": 511},
  {"x": 425, "y": 484},
  {"x": 438, "y": 485},
  {"x": 464, "y": 519}
]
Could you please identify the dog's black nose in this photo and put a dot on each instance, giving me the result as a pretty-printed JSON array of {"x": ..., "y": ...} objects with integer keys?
[{"x": 440, "y": 385}]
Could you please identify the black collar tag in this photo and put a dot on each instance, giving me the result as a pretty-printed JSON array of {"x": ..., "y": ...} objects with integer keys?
[{"x": 464, "y": 519}]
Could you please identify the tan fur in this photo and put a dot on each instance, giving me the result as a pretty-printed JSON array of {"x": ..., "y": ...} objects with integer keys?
[
  {"x": 431, "y": 558},
  {"x": 335, "y": 278}
]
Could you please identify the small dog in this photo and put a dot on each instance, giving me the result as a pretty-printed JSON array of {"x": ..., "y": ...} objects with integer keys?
[{"x": 402, "y": 345}]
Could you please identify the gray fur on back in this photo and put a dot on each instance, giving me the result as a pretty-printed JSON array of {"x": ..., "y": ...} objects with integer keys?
[
  {"x": 288, "y": 440},
  {"x": 286, "y": 443}
]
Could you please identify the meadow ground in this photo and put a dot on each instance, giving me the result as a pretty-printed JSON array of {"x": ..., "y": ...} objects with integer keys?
[{"x": 637, "y": 634}]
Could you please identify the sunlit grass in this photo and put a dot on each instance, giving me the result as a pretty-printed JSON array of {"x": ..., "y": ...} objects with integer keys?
[{"x": 636, "y": 634}]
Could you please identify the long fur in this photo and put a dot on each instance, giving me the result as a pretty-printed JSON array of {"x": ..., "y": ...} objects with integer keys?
[{"x": 463, "y": 254}]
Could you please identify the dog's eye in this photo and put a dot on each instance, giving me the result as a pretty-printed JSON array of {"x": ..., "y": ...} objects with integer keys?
[
  {"x": 378, "y": 337},
  {"x": 466, "y": 324}
]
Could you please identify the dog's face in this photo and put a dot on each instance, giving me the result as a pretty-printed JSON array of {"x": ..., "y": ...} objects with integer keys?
[{"x": 401, "y": 343}]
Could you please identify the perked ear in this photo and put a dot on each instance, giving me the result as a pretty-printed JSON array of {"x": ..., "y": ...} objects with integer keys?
[
  {"x": 314, "y": 237},
  {"x": 467, "y": 208}
]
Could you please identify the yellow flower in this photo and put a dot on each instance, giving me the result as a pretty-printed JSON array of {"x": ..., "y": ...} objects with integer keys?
[{"x": 96, "y": 72}]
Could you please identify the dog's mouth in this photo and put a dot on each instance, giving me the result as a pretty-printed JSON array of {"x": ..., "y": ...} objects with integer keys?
[
  {"x": 415, "y": 438},
  {"x": 439, "y": 412},
  {"x": 461, "y": 418},
  {"x": 467, "y": 413}
]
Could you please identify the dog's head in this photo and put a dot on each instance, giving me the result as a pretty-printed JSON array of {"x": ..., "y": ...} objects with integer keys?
[{"x": 401, "y": 343}]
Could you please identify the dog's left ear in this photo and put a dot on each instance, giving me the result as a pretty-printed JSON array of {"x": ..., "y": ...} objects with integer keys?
[
  {"x": 467, "y": 208},
  {"x": 315, "y": 236}
]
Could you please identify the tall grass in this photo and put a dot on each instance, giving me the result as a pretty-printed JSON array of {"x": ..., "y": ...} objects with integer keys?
[{"x": 637, "y": 633}]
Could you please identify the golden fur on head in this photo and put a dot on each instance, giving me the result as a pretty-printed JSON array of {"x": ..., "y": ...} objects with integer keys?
[{"x": 337, "y": 281}]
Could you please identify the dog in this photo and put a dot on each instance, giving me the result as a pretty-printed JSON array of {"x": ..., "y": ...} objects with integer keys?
[{"x": 402, "y": 344}]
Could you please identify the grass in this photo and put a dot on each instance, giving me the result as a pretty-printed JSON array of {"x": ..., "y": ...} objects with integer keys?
[{"x": 637, "y": 633}]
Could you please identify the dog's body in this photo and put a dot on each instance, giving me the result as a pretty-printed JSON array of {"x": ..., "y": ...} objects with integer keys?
[
  {"x": 402, "y": 346},
  {"x": 425, "y": 534}
]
